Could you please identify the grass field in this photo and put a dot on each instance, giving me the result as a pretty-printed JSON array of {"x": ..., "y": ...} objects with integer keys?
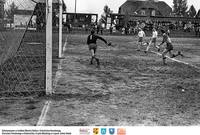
[{"x": 131, "y": 88}]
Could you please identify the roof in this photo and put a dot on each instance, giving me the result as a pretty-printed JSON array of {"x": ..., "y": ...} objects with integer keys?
[
  {"x": 135, "y": 5},
  {"x": 44, "y": 1},
  {"x": 136, "y": 0},
  {"x": 80, "y": 13},
  {"x": 23, "y": 12},
  {"x": 30, "y": 4}
]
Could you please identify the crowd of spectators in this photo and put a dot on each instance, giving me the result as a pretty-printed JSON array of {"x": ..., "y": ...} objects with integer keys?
[{"x": 133, "y": 27}]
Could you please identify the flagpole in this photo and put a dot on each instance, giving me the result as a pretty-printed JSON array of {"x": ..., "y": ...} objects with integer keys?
[{"x": 75, "y": 5}]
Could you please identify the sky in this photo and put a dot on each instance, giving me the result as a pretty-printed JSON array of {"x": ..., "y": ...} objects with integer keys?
[{"x": 96, "y": 6}]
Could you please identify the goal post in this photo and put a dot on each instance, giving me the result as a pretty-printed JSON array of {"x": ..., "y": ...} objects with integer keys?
[
  {"x": 60, "y": 27},
  {"x": 49, "y": 85}
]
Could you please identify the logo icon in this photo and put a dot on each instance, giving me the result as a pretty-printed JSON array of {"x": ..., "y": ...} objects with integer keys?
[
  {"x": 111, "y": 131},
  {"x": 121, "y": 131},
  {"x": 84, "y": 131},
  {"x": 95, "y": 131},
  {"x": 103, "y": 131}
]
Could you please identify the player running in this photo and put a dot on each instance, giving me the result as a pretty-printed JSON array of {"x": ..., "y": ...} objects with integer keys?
[
  {"x": 153, "y": 40},
  {"x": 141, "y": 35},
  {"x": 169, "y": 47},
  {"x": 91, "y": 41}
]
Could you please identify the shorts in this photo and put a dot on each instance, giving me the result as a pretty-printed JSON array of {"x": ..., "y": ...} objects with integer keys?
[
  {"x": 140, "y": 39},
  {"x": 169, "y": 47},
  {"x": 153, "y": 40},
  {"x": 92, "y": 46}
]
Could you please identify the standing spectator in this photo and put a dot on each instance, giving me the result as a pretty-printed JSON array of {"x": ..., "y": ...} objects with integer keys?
[
  {"x": 111, "y": 29},
  {"x": 101, "y": 30},
  {"x": 199, "y": 30},
  {"x": 123, "y": 31},
  {"x": 98, "y": 29}
]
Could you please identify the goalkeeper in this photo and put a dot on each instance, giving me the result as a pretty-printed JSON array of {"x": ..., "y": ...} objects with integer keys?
[{"x": 92, "y": 45}]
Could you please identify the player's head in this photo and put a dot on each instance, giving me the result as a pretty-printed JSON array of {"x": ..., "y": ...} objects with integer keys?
[
  {"x": 92, "y": 31},
  {"x": 154, "y": 29},
  {"x": 140, "y": 29}
]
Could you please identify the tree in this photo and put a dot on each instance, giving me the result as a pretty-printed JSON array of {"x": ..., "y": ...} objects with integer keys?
[
  {"x": 10, "y": 12},
  {"x": 198, "y": 14},
  {"x": 106, "y": 13},
  {"x": 192, "y": 11},
  {"x": 180, "y": 7}
]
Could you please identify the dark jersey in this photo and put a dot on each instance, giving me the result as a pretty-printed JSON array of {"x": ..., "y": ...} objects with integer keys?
[
  {"x": 166, "y": 39},
  {"x": 92, "y": 39}
]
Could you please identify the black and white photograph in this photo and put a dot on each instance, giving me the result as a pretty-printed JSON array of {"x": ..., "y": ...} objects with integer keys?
[{"x": 100, "y": 63}]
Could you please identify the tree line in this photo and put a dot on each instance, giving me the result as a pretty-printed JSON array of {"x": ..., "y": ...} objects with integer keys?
[{"x": 180, "y": 9}]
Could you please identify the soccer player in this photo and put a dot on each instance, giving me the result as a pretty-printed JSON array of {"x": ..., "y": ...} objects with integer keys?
[
  {"x": 153, "y": 40},
  {"x": 92, "y": 44},
  {"x": 168, "y": 48},
  {"x": 141, "y": 36}
]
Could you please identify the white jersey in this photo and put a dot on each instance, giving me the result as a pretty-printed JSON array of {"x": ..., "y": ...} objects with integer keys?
[
  {"x": 141, "y": 34},
  {"x": 154, "y": 34}
]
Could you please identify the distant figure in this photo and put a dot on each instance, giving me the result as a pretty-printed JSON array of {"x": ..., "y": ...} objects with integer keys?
[
  {"x": 196, "y": 30},
  {"x": 141, "y": 36},
  {"x": 69, "y": 27},
  {"x": 123, "y": 31},
  {"x": 98, "y": 29},
  {"x": 1, "y": 37},
  {"x": 92, "y": 45},
  {"x": 111, "y": 29},
  {"x": 101, "y": 29}
]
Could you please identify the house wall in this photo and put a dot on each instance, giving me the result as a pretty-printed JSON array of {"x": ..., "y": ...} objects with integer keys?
[
  {"x": 21, "y": 21},
  {"x": 1, "y": 10},
  {"x": 136, "y": 7}
]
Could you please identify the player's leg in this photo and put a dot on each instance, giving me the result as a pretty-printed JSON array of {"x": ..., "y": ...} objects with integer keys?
[
  {"x": 154, "y": 43},
  {"x": 97, "y": 60},
  {"x": 149, "y": 45},
  {"x": 164, "y": 53},
  {"x": 92, "y": 56},
  {"x": 138, "y": 46},
  {"x": 139, "y": 43},
  {"x": 172, "y": 55}
]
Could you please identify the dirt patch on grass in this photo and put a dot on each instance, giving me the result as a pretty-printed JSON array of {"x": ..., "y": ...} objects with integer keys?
[{"x": 131, "y": 88}]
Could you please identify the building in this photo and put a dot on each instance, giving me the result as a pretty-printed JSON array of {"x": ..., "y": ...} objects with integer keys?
[
  {"x": 2, "y": 9},
  {"x": 145, "y": 8},
  {"x": 80, "y": 19},
  {"x": 36, "y": 11},
  {"x": 2, "y": 14},
  {"x": 22, "y": 19}
]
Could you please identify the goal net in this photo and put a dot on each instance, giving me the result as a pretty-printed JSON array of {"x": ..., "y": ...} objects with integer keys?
[{"x": 23, "y": 46}]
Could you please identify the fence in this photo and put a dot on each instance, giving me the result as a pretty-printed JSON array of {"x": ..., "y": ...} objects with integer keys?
[{"x": 24, "y": 61}]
